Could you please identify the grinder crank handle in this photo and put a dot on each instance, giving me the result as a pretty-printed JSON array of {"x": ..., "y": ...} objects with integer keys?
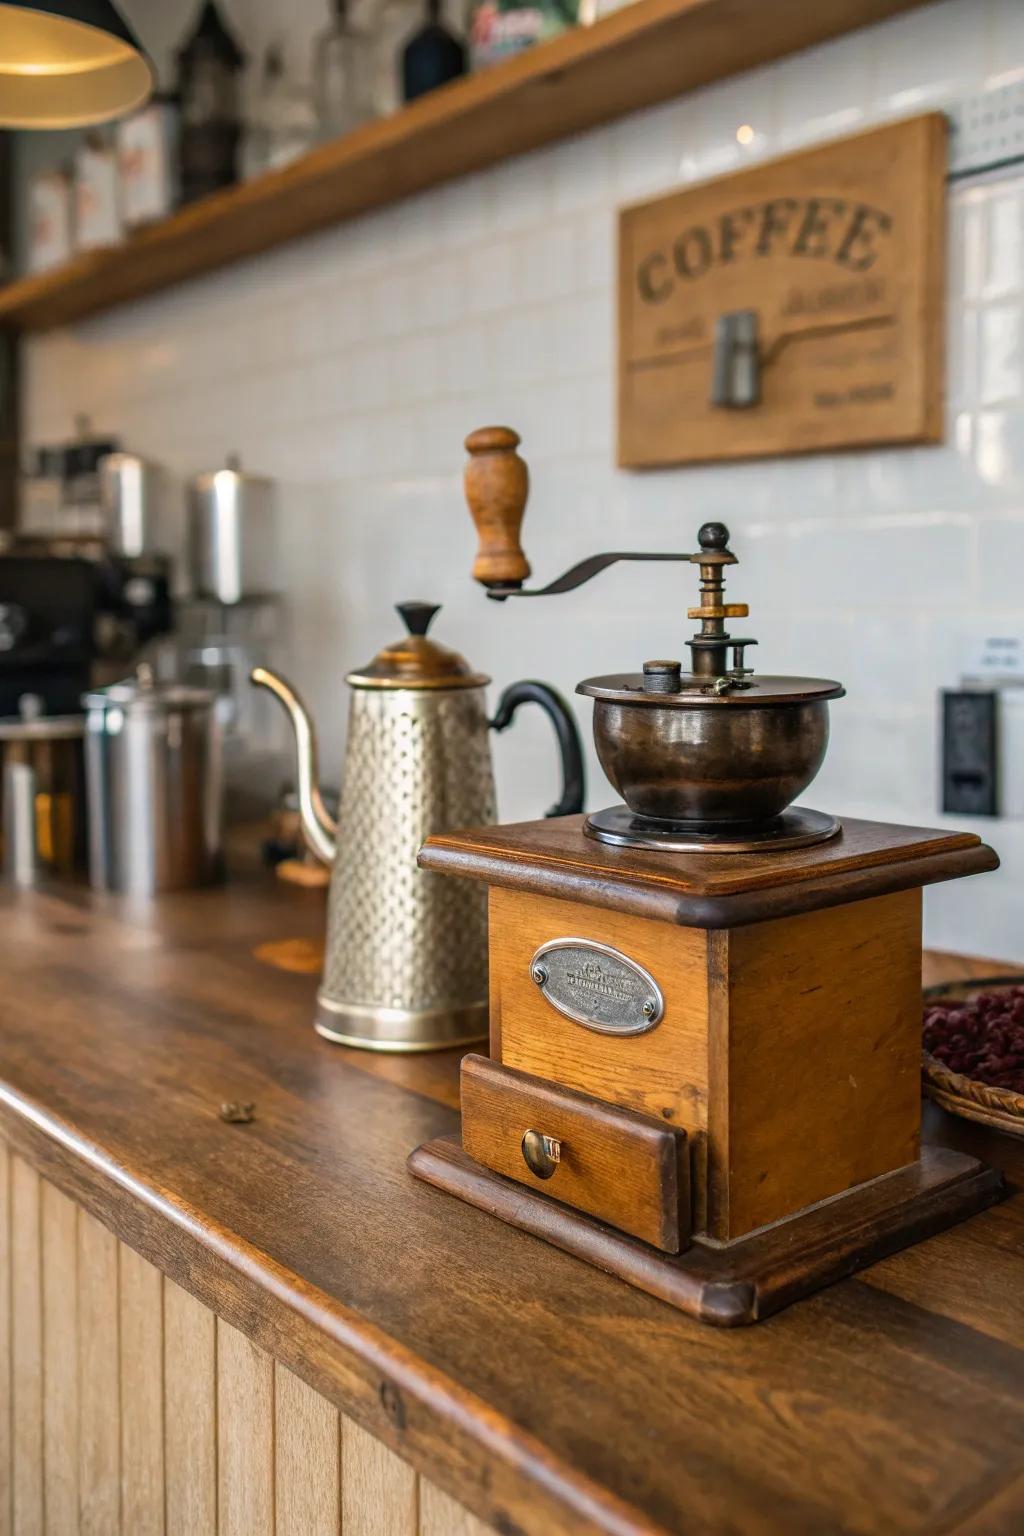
[
  {"x": 497, "y": 483},
  {"x": 570, "y": 748}
]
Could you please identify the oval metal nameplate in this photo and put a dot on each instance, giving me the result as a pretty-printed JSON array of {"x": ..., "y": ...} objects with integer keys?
[{"x": 597, "y": 986}]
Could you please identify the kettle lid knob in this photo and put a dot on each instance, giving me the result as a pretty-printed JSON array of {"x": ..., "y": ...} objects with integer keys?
[{"x": 418, "y": 617}]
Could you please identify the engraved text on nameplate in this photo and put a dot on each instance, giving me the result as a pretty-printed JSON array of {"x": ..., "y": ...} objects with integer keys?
[{"x": 597, "y": 986}]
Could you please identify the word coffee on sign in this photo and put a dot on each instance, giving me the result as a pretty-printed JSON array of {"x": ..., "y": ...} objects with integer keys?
[{"x": 837, "y": 252}]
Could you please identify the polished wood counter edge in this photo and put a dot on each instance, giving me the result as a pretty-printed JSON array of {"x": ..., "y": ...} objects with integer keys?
[
  {"x": 544, "y": 1395},
  {"x": 708, "y": 890}
]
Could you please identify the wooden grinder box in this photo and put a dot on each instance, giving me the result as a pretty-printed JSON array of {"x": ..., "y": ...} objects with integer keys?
[{"x": 762, "y": 1136}]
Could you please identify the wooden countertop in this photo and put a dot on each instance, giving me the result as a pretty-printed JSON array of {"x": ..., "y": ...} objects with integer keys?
[{"x": 546, "y": 1396}]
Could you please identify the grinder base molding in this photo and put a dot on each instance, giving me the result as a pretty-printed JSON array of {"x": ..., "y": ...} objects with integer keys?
[{"x": 746, "y": 1281}]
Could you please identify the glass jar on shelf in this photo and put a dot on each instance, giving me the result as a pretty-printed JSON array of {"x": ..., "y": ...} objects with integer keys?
[{"x": 501, "y": 28}]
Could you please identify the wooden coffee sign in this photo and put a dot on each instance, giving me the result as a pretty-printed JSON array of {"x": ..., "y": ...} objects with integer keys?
[{"x": 788, "y": 308}]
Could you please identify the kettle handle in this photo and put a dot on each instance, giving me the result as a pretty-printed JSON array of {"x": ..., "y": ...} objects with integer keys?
[{"x": 569, "y": 745}]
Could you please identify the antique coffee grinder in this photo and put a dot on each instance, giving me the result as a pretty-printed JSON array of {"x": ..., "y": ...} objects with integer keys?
[{"x": 705, "y": 1003}]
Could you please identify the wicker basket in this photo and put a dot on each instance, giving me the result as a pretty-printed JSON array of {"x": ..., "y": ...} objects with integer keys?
[{"x": 1001, "y": 1108}]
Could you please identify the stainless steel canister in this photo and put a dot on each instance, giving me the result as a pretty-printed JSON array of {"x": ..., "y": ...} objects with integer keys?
[
  {"x": 232, "y": 535},
  {"x": 130, "y": 495},
  {"x": 154, "y": 778}
]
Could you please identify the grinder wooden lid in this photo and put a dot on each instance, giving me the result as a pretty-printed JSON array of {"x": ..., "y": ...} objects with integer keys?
[{"x": 553, "y": 857}]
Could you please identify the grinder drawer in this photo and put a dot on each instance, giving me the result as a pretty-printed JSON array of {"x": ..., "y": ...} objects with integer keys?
[{"x": 625, "y": 1168}]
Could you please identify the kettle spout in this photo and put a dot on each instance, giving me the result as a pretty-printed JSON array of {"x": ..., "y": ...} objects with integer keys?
[{"x": 318, "y": 828}]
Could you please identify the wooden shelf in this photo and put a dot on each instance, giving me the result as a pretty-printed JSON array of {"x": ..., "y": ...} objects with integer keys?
[{"x": 647, "y": 53}]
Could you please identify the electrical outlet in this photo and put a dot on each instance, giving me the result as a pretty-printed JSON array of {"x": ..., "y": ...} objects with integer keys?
[
  {"x": 987, "y": 130},
  {"x": 969, "y": 753}
]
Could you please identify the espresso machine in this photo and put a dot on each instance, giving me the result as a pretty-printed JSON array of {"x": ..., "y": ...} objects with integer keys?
[
  {"x": 91, "y": 503},
  {"x": 705, "y": 1000},
  {"x": 47, "y": 620}
]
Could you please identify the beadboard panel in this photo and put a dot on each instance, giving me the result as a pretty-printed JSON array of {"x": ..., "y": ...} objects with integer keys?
[
  {"x": 60, "y": 1361},
  {"x": 245, "y": 1436},
  {"x": 135, "y": 1410},
  {"x": 190, "y": 1414},
  {"x": 99, "y": 1396},
  {"x": 26, "y": 1389},
  {"x": 307, "y": 1459},
  {"x": 6, "y": 1418},
  {"x": 142, "y": 1428},
  {"x": 378, "y": 1491}
]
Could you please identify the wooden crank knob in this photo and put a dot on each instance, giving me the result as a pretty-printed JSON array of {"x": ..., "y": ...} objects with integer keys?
[{"x": 497, "y": 483}]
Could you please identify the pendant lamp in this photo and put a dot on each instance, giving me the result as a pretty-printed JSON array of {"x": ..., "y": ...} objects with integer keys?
[{"x": 68, "y": 63}]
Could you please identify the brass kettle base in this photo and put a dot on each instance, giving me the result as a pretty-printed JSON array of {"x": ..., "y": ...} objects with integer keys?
[
  {"x": 399, "y": 1030},
  {"x": 797, "y": 827}
]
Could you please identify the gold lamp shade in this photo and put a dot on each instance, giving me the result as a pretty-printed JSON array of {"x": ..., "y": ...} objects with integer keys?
[{"x": 68, "y": 63}]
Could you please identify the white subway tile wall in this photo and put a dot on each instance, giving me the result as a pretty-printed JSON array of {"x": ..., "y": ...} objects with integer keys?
[{"x": 351, "y": 365}]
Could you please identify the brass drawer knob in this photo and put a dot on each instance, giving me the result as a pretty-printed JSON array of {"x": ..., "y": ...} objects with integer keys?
[{"x": 542, "y": 1154}]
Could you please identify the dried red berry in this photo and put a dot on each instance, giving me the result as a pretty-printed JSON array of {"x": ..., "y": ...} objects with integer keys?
[{"x": 981, "y": 1038}]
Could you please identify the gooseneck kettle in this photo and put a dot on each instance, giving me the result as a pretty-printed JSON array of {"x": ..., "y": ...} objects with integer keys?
[{"x": 405, "y": 965}]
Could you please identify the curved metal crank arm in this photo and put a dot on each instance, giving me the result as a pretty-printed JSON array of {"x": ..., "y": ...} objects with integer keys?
[{"x": 576, "y": 575}]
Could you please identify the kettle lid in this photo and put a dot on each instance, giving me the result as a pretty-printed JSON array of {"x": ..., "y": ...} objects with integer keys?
[{"x": 416, "y": 661}]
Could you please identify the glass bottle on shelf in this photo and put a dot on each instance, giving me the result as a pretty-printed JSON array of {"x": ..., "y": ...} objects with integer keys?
[
  {"x": 432, "y": 56},
  {"x": 282, "y": 126},
  {"x": 343, "y": 73},
  {"x": 396, "y": 23},
  {"x": 209, "y": 65}
]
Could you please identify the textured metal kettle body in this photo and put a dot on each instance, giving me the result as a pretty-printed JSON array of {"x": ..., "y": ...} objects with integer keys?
[
  {"x": 406, "y": 956},
  {"x": 405, "y": 965}
]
